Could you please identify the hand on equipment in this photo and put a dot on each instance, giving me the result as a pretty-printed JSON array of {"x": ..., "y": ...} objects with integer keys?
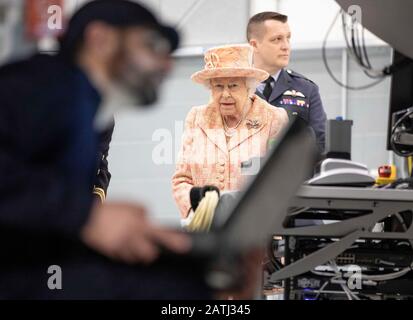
[{"x": 122, "y": 231}]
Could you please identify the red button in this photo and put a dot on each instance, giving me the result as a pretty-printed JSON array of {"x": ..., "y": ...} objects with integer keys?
[{"x": 385, "y": 171}]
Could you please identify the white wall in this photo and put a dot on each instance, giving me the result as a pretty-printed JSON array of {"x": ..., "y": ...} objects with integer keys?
[
  {"x": 13, "y": 43},
  {"x": 213, "y": 22},
  {"x": 136, "y": 175}
]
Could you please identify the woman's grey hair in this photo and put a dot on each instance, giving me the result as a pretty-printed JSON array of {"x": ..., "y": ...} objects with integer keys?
[{"x": 251, "y": 84}]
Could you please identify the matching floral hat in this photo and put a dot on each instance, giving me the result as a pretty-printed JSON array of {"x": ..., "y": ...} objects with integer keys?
[{"x": 229, "y": 61}]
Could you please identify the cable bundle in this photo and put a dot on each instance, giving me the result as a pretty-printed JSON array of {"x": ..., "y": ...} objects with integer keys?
[
  {"x": 356, "y": 47},
  {"x": 402, "y": 125}
]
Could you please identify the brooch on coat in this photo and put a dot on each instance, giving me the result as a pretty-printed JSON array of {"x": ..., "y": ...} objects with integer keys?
[{"x": 253, "y": 124}]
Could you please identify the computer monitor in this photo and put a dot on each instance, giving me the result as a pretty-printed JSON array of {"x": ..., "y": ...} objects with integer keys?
[{"x": 401, "y": 90}]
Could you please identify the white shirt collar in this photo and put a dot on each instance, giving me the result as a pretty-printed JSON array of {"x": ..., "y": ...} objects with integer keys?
[{"x": 276, "y": 75}]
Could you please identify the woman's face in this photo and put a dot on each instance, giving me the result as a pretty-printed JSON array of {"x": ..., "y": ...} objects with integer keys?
[{"x": 230, "y": 94}]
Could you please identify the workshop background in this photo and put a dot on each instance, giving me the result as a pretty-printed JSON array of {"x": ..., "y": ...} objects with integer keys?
[{"x": 145, "y": 143}]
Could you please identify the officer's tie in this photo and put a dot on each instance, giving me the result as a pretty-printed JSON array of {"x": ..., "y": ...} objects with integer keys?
[{"x": 268, "y": 88}]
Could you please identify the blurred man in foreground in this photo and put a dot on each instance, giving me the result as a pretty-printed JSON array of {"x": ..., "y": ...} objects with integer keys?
[{"x": 113, "y": 52}]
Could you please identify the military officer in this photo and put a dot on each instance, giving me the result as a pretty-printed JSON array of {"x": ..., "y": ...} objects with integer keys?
[{"x": 269, "y": 34}]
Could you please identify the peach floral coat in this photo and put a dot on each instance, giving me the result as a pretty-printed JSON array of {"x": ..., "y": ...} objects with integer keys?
[{"x": 207, "y": 157}]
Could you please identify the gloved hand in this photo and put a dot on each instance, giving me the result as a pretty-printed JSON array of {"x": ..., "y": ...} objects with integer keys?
[{"x": 197, "y": 193}]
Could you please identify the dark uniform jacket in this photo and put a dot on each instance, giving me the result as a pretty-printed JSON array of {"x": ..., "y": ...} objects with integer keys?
[
  {"x": 300, "y": 96},
  {"x": 48, "y": 146}
]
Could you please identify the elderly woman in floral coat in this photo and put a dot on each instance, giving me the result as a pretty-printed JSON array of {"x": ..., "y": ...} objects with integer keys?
[{"x": 235, "y": 126}]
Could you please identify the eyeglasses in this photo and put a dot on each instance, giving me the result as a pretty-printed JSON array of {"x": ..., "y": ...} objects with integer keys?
[
  {"x": 151, "y": 40},
  {"x": 157, "y": 43},
  {"x": 219, "y": 87}
]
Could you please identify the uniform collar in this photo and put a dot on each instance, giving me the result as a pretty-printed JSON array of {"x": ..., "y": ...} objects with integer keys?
[
  {"x": 282, "y": 85},
  {"x": 261, "y": 85}
]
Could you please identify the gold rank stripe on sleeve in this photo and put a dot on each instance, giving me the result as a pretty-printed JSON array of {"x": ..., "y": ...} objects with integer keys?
[{"x": 100, "y": 192}]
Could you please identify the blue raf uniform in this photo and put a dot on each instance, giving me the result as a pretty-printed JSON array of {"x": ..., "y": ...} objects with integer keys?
[{"x": 299, "y": 95}]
